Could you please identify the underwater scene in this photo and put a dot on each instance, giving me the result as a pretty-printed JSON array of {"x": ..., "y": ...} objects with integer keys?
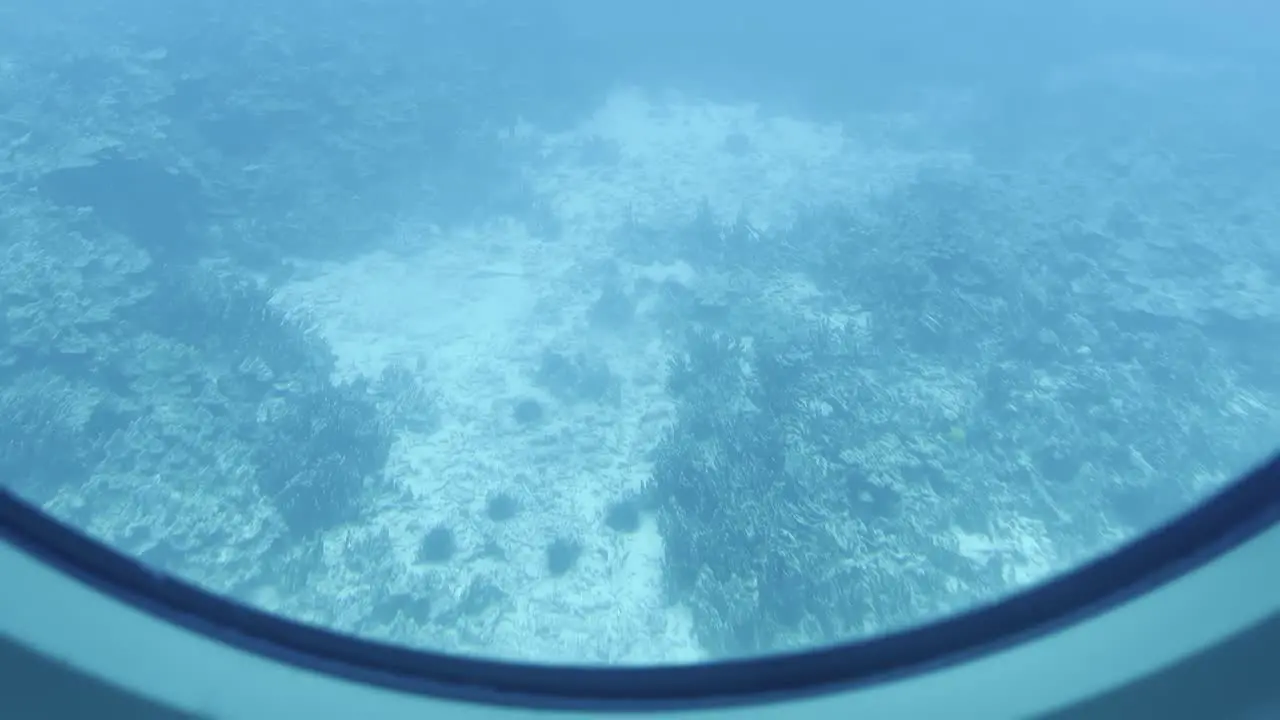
[{"x": 571, "y": 332}]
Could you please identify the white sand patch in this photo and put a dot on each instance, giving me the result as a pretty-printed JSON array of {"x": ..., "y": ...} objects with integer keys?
[
  {"x": 475, "y": 309},
  {"x": 1019, "y": 545},
  {"x": 672, "y": 156},
  {"x": 475, "y": 314}
]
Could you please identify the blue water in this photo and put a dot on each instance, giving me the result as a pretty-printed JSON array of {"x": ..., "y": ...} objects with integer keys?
[{"x": 570, "y": 331}]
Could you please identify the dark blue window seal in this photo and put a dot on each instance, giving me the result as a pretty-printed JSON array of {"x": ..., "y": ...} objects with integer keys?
[{"x": 1236, "y": 514}]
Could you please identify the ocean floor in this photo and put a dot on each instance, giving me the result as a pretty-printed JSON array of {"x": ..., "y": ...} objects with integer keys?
[{"x": 473, "y": 310}]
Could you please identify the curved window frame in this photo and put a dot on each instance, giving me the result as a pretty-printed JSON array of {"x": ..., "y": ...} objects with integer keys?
[{"x": 1180, "y": 618}]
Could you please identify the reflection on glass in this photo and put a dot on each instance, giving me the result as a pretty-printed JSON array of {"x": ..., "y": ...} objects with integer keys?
[{"x": 407, "y": 325}]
